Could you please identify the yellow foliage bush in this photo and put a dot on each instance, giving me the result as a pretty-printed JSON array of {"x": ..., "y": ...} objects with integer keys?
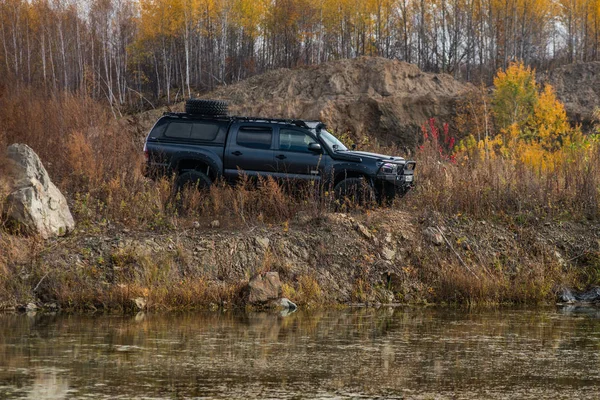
[{"x": 532, "y": 124}]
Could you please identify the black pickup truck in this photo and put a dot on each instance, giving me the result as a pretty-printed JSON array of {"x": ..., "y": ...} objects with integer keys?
[{"x": 205, "y": 144}]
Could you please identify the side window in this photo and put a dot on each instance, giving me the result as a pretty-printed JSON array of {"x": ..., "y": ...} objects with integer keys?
[
  {"x": 255, "y": 137},
  {"x": 204, "y": 131},
  {"x": 294, "y": 140},
  {"x": 179, "y": 130}
]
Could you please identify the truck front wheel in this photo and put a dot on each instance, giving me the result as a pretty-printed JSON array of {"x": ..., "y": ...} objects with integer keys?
[{"x": 353, "y": 192}]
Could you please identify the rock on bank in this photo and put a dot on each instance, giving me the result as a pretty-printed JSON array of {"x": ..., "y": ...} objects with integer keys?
[{"x": 35, "y": 204}]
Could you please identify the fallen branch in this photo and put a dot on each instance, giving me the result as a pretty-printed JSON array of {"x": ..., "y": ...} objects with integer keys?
[
  {"x": 40, "y": 282},
  {"x": 456, "y": 253}
]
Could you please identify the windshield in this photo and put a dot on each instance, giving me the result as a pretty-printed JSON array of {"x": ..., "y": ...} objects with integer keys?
[{"x": 332, "y": 141}]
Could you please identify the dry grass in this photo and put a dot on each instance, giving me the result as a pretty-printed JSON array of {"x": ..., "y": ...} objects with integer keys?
[
  {"x": 507, "y": 188},
  {"x": 263, "y": 201},
  {"x": 305, "y": 291},
  {"x": 113, "y": 284},
  {"x": 534, "y": 283}
]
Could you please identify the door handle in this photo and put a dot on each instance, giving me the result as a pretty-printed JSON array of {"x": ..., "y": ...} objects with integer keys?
[
  {"x": 237, "y": 153},
  {"x": 281, "y": 157}
]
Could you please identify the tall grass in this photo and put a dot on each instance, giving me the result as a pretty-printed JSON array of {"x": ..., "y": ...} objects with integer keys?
[{"x": 489, "y": 186}]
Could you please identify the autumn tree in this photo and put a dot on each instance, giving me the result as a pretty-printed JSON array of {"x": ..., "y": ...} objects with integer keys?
[
  {"x": 515, "y": 96},
  {"x": 129, "y": 51},
  {"x": 549, "y": 123}
]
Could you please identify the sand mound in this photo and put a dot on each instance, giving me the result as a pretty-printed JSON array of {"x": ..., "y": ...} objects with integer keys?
[{"x": 372, "y": 96}]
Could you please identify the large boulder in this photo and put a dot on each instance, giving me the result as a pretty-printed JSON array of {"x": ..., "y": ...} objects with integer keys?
[
  {"x": 35, "y": 203},
  {"x": 263, "y": 288}
]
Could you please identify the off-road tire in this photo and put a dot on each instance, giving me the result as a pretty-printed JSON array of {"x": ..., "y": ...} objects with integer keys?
[
  {"x": 206, "y": 107},
  {"x": 193, "y": 178},
  {"x": 387, "y": 193},
  {"x": 354, "y": 192}
]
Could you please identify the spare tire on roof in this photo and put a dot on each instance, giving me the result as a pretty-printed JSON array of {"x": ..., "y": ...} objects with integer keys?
[{"x": 206, "y": 107}]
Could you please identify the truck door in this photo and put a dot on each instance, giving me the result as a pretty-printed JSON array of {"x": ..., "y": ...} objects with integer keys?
[
  {"x": 293, "y": 157},
  {"x": 250, "y": 149}
]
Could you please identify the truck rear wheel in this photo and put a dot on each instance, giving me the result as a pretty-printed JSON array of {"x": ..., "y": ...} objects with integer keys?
[
  {"x": 206, "y": 107},
  {"x": 195, "y": 179},
  {"x": 352, "y": 192}
]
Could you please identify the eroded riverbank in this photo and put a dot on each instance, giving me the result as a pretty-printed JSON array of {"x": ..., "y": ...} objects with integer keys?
[{"x": 378, "y": 257}]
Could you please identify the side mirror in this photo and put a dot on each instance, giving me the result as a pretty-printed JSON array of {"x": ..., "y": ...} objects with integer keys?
[
  {"x": 354, "y": 146},
  {"x": 315, "y": 147}
]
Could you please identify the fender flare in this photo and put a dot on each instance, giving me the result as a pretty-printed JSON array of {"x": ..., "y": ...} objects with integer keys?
[{"x": 215, "y": 165}]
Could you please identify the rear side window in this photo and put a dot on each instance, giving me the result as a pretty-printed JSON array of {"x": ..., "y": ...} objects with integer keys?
[
  {"x": 159, "y": 129},
  {"x": 204, "y": 131},
  {"x": 179, "y": 130},
  {"x": 255, "y": 137}
]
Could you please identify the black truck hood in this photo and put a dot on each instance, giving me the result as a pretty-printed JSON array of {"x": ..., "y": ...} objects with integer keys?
[{"x": 372, "y": 156}]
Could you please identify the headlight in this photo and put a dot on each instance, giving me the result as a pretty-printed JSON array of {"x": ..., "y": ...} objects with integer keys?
[{"x": 388, "y": 168}]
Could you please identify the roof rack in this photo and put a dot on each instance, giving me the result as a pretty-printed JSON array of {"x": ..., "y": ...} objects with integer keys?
[
  {"x": 195, "y": 116},
  {"x": 297, "y": 122}
]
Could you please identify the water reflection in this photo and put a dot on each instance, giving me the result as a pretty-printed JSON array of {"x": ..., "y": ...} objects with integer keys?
[
  {"x": 402, "y": 353},
  {"x": 48, "y": 385},
  {"x": 590, "y": 311}
]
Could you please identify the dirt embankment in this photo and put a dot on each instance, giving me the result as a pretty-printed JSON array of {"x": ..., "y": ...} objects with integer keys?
[
  {"x": 388, "y": 100},
  {"x": 369, "y": 96},
  {"x": 578, "y": 87},
  {"x": 380, "y": 257}
]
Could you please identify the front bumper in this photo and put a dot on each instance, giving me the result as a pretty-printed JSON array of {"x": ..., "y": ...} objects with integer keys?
[
  {"x": 398, "y": 180},
  {"x": 403, "y": 179}
]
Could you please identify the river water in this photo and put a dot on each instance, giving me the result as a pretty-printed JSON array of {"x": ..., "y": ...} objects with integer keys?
[{"x": 359, "y": 353}]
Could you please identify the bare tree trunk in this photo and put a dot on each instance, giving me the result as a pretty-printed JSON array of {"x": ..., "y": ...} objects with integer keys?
[
  {"x": 186, "y": 42},
  {"x": 43, "y": 42},
  {"x": 63, "y": 55}
]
